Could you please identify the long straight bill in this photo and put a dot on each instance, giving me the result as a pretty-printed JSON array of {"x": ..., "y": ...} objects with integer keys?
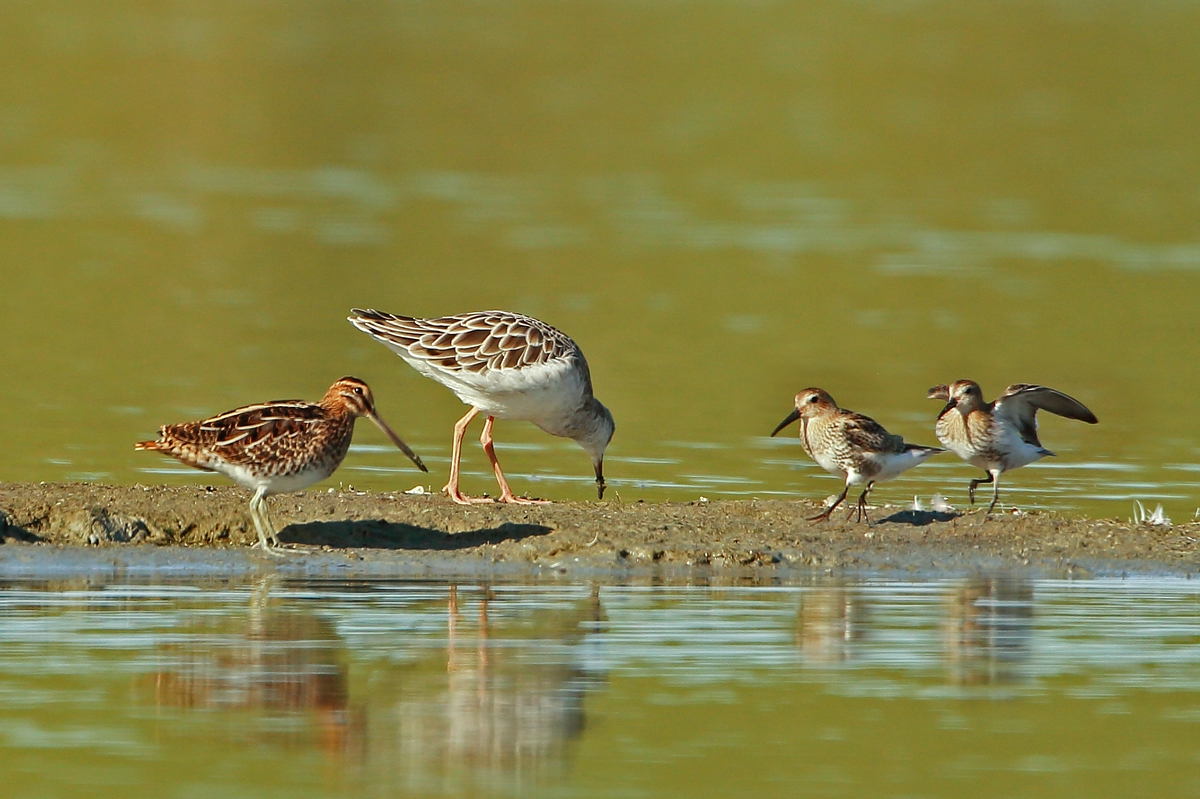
[{"x": 374, "y": 417}]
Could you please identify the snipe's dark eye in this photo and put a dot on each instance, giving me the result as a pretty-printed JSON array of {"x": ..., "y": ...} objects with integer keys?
[{"x": 358, "y": 390}]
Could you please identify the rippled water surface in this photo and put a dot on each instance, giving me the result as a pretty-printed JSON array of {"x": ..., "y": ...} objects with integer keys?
[
  {"x": 723, "y": 202},
  {"x": 987, "y": 687}
]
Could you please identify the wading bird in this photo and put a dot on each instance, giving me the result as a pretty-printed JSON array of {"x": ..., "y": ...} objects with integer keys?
[
  {"x": 855, "y": 447},
  {"x": 276, "y": 447},
  {"x": 1001, "y": 435},
  {"x": 506, "y": 366}
]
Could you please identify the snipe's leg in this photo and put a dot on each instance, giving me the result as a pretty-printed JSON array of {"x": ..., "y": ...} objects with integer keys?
[
  {"x": 506, "y": 493},
  {"x": 267, "y": 540},
  {"x": 823, "y": 515},
  {"x": 452, "y": 489}
]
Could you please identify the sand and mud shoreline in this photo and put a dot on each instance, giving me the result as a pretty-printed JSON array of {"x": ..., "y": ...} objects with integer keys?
[{"x": 75, "y": 526}]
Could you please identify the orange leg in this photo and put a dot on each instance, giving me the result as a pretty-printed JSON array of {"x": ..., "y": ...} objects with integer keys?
[
  {"x": 452, "y": 489},
  {"x": 506, "y": 494}
]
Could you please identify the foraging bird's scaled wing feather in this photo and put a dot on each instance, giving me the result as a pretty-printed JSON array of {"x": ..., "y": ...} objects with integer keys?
[
  {"x": 471, "y": 342},
  {"x": 1020, "y": 403},
  {"x": 863, "y": 432}
]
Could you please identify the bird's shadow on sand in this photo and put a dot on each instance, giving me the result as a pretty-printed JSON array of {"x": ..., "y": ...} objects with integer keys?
[
  {"x": 12, "y": 532},
  {"x": 920, "y": 518},
  {"x": 379, "y": 534}
]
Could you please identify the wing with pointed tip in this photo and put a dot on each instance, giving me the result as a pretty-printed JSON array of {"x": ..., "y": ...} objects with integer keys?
[
  {"x": 471, "y": 342},
  {"x": 1020, "y": 403}
]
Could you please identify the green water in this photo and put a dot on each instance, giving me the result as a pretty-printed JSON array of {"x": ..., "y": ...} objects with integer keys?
[
  {"x": 947, "y": 688},
  {"x": 723, "y": 202}
]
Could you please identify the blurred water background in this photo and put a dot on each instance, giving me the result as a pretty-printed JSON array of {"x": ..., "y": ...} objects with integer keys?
[{"x": 722, "y": 202}]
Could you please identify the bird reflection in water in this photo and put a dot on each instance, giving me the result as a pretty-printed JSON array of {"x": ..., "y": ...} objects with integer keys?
[
  {"x": 495, "y": 702},
  {"x": 277, "y": 660},
  {"x": 987, "y": 631},
  {"x": 829, "y": 622},
  {"x": 506, "y": 707}
]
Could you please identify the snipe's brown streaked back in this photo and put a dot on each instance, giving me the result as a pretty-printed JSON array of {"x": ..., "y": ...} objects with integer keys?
[{"x": 276, "y": 447}]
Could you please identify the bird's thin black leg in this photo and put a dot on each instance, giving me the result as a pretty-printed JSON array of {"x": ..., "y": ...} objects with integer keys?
[
  {"x": 862, "y": 503},
  {"x": 820, "y": 517},
  {"x": 976, "y": 483}
]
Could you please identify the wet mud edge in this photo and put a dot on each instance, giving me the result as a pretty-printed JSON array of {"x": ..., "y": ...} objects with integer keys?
[{"x": 49, "y": 526}]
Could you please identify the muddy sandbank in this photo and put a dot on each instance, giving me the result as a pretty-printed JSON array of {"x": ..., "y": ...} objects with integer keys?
[{"x": 381, "y": 533}]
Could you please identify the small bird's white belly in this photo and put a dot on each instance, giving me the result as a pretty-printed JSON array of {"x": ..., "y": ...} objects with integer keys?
[
  {"x": 955, "y": 439},
  {"x": 854, "y": 477},
  {"x": 969, "y": 455},
  {"x": 1018, "y": 453},
  {"x": 1002, "y": 448},
  {"x": 894, "y": 463},
  {"x": 275, "y": 484},
  {"x": 830, "y": 464}
]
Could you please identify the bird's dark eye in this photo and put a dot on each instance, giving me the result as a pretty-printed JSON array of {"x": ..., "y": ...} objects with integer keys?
[
  {"x": 358, "y": 390},
  {"x": 813, "y": 398}
]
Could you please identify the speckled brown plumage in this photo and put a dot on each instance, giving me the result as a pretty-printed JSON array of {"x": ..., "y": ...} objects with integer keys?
[
  {"x": 278, "y": 438},
  {"x": 848, "y": 438},
  {"x": 1000, "y": 435},
  {"x": 472, "y": 342},
  {"x": 504, "y": 365},
  {"x": 276, "y": 447},
  {"x": 851, "y": 445}
]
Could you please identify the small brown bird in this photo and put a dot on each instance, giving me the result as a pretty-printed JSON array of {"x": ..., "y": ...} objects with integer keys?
[
  {"x": 1001, "y": 435},
  {"x": 851, "y": 445},
  {"x": 276, "y": 447}
]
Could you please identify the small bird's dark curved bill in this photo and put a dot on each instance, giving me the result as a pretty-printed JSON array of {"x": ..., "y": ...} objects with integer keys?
[
  {"x": 397, "y": 441},
  {"x": 793, "y": 416},
  {"x": 600, "y": 484}
]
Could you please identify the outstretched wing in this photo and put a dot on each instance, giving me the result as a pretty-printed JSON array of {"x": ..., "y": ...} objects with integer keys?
[
  {"x": 472, "y": 342},
  {"x": 1020, "y": 403}
]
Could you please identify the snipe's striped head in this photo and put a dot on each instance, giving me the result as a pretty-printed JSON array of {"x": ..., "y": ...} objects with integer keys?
[
  {"x": 352, "y": 396},
  {"x": 809, "y": 403}
]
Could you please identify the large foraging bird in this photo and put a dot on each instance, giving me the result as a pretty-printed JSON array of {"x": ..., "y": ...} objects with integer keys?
[
  {"x": 850, "y": 445},
  {"x": 276, "y": 447},
  {"x": 506, "y": 366},
  {"x": 1001, "y": 435}
]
